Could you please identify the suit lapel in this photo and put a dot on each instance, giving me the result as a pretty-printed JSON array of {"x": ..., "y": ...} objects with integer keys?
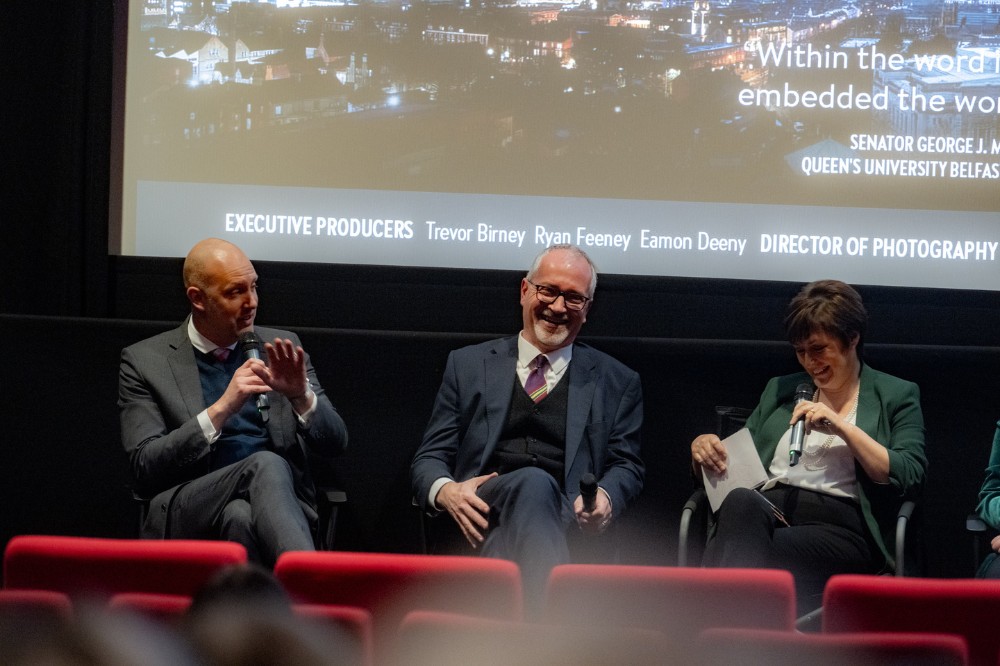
[
  {"x": 869, "y": 409},
  {"x": 500, "y": 370},
  {"x": 582, "y": 385},
  {"x": 185, "y": 371}
]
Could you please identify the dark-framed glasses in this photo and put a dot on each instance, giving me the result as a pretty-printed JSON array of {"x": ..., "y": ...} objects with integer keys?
[{"x": 547, "y": 294}]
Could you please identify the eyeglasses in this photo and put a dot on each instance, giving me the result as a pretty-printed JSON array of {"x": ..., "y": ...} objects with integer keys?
[{"x": 547, "y": 294}]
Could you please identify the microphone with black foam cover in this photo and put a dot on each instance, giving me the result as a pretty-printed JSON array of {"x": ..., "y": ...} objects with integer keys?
[
  {"x": 588, "y": 491},
  {"x": 803, "y": 392},
  {"x": 250, "y": 347}
]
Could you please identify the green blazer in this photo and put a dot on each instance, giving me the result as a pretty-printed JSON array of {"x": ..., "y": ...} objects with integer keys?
[
  {"x": 889, "y": 411},
  {"x": 989, "y": 494}
]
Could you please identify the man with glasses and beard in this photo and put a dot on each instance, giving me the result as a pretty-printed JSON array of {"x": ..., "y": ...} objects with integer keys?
[{"x": 518, "y": 422}]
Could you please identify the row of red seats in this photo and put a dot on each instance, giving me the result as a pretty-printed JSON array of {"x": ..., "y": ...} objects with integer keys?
[{"x": 417, "y": 605}]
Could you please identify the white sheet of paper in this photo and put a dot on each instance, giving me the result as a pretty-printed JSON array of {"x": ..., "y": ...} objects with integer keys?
[{"x": 743, "y": 469}]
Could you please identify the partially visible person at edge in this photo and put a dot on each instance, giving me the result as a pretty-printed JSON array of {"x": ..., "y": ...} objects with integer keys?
[
  {"x": 863, "y": 455},
  {"x": 989, "y": 509},
  {"x": 210, "y": 462}
]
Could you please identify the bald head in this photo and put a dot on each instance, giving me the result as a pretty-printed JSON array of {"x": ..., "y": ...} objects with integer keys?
[
  {"x": 206, "y": 258},
  {"x": 221, "y": 285}
]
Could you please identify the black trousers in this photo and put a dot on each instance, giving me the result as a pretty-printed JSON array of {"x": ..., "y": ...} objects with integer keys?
[
  {"x": 252, "y": 502},
  {"x": 825, "y": 535}
]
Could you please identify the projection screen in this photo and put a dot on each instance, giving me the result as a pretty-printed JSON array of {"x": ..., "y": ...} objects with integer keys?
[{"x": 744, "y": 139}]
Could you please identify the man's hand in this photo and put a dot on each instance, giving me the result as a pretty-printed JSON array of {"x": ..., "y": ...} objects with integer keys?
[
  {"x": 246, "y": 382},
  {"x": 466, "y": 507},
  {"x": 286, "y": 370},
  {"x": 596, "y": 521}
]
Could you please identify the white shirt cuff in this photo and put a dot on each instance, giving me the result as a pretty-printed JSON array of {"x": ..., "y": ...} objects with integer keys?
[
  {"x": 304, "y": 419},
  {"x": 435, "y": 489},
  {"x": 207, "y": 429}
]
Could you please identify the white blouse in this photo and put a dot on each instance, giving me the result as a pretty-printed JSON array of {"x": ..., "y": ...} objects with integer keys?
[{"x": 826, "y": 465}]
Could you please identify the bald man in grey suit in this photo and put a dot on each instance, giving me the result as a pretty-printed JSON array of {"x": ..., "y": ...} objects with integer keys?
[{"x": 213, "y": 465}]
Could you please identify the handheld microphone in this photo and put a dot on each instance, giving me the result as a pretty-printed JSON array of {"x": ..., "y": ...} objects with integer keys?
[
  {"x": 588, "y": 491},
  {"x": 250, "y": 346},
  {"x": 804, "y": 391}
]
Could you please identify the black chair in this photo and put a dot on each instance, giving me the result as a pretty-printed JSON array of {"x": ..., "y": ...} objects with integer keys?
[
  {"x": 981, "y": 534},
  {"x": 696, "y": 517},
  {"x": 696, "y": 523},
  {"x": 328, "y": 503}
]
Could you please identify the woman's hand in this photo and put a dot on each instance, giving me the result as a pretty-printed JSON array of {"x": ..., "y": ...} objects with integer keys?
[
  {"x": 709, "y": 452},
  {"x": 819, "y": 417},
  {"x": 872, "y": 456}
]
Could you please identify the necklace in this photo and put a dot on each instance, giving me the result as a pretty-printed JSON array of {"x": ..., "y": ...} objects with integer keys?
[{"x": 812, "y": 460}]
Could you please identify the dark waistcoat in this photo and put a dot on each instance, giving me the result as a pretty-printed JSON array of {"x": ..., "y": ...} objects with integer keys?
[
  {"x": 244, "y": 433},
  {"x": 534, "y": 434}
]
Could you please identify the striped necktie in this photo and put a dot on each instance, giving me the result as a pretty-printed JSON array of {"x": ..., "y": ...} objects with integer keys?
[{"x": 535, "y": 385}]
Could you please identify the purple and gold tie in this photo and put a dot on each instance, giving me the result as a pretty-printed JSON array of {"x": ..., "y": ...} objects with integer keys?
[{"x": 535, "y": 385}]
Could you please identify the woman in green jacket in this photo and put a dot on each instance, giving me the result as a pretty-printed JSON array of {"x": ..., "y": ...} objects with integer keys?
[{"x": 832, "y": 509}]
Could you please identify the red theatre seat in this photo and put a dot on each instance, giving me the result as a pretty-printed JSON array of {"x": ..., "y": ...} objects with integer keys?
[
  {"x": 722, "y": 647},
  {"x": 166, "y": 607},
  {"x": 966, "y": 607},
  {"x": 36, "y": 602},
  {"x": 678, "y": 601},
  {"x": 354, "y": 623},
  {"x": 431, "y": 638},
  {"x": 103, "y": 567},
  {"x": 390, "y": 585}
]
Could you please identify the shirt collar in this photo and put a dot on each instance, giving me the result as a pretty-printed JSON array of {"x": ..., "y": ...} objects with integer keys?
[
  {"x": 200, "y": 342},
  {"x": 558, "y": 359}
]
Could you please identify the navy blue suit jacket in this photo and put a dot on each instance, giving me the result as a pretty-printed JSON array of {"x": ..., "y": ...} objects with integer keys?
[{"x": 603, "y": 421}]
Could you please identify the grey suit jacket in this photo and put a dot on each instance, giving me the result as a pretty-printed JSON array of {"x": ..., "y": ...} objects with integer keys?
[
  {"x": 603, "y": 421},
  {"x": 159, "y": 398}
]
